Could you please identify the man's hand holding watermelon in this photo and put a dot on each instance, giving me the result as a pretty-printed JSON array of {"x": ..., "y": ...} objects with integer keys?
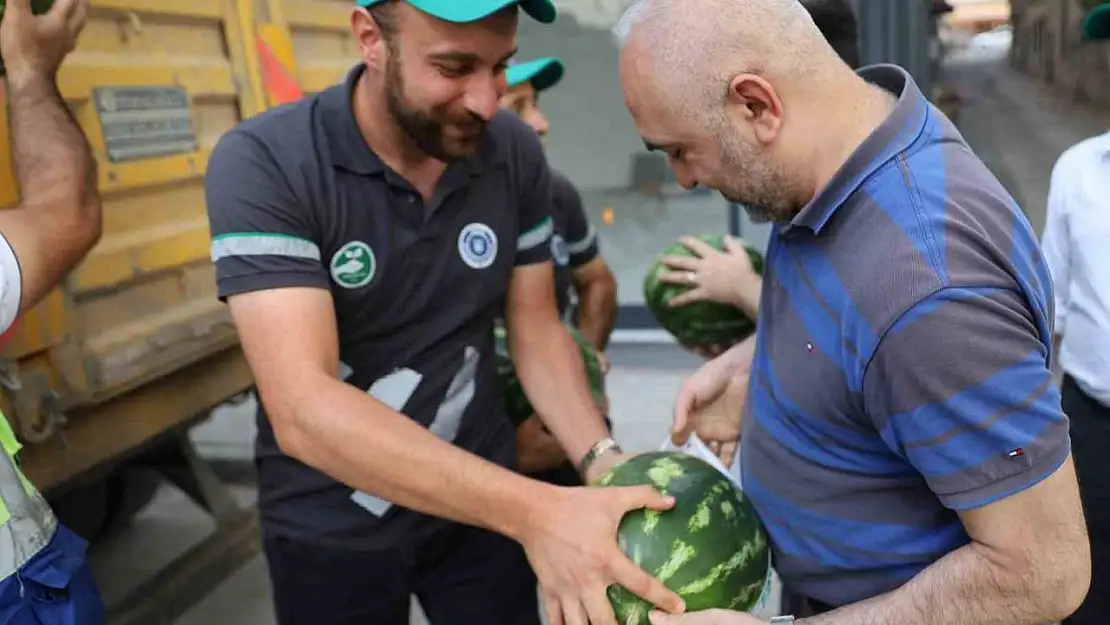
[
  {"x": 725, "y": 277},
  {"x": 711, "y": 402}
]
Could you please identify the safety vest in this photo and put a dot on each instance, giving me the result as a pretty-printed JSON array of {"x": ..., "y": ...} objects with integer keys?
[{"x": 26, "y": 521}]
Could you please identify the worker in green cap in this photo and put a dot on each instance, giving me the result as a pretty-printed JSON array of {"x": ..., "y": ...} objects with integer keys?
[
  {"x": 585, "y": 288},
  {"x": 365, "y": 238}
]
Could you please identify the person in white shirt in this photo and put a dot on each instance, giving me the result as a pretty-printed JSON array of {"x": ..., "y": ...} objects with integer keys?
[{"x": 1076, "y": 244}]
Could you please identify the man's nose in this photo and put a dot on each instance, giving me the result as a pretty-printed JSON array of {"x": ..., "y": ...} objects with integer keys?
[
  {"x": 538, "y": 122},
  {"x": 682, "y": 174},
  {"x": 483, "y": 95}
]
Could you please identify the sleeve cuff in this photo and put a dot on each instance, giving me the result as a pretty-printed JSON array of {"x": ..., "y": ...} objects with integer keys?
[{"x": 237, "y": 285}]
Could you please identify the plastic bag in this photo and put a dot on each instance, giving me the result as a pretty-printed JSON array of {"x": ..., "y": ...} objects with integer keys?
[{"x": 695, "y": 447}]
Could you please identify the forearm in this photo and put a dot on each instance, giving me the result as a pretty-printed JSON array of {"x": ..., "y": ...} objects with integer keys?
[
  {"x": 550, "y": 369},
  {"x": 360, "y": 442},
  {"x": 53, "y": 162},
  {"x": 597, "y": 313},
  {"x": 746, "y": 297},
  {"x": 966, "y": 587}
]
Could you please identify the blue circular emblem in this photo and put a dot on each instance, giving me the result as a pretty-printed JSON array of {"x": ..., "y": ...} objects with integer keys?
[
  {"x": 559, "y": 250},
  {"x": 478, "y": 245}
]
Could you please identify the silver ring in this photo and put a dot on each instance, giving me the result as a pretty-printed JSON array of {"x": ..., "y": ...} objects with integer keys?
[{"x": 691, "y": 278}]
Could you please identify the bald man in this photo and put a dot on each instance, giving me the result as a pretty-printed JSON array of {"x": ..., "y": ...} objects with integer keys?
[{"x": 902, "y": 439}]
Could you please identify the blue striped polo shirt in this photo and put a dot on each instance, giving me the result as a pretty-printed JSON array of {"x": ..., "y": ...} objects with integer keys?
[{"x": 902, "y": 366}]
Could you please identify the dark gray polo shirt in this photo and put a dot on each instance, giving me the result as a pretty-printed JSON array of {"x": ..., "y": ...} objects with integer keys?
[
  {"x": 297, "y": 199},
  {"x": 574, "y": 242},
  {"x": 902, "y": 367}
]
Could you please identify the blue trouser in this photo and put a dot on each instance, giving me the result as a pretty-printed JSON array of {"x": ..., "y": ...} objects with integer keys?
[{"x": 55, "y": 587}]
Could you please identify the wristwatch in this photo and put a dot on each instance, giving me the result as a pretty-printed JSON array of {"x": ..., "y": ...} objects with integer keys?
[
  {"x": 788, "y": 619},
  {"x": 599, "y": 449}
]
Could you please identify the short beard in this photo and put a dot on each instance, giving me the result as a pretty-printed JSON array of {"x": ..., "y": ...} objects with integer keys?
[
  {"x": 426, "y": 132},
  {"x": 765, "y": 192}
]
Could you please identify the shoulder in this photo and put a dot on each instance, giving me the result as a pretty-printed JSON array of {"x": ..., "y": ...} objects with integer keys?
[
  {"x": 283, "y": 133},
  {"x": 563, "y": 190},
  {"x": 934, "y": 218},
  {"x": 513, "y": 140},
  {"x": 1084, "y": 151}
]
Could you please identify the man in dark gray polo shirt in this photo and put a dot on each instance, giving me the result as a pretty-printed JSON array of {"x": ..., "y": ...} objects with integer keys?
[
  {"x": 585, "y": 289},
  {"x": 902, "y": 442},
  {"x": 365, "y": 239}
]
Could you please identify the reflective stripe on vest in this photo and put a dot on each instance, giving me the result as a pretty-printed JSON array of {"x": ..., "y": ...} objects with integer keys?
[{"x": 29, "y": 522}]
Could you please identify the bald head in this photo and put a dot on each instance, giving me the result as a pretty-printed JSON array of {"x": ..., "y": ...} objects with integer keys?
[
  {"x": 700, "y": 45},
  {"x": 740, "y": 95}
]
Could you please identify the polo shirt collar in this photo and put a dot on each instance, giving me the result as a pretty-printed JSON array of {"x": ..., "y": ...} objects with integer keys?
[
  {"x": 349, "y": 150},
  {"x": 900, "y": 130}
]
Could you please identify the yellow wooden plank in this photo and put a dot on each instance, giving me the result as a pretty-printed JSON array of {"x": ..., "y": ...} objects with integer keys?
[
  {"x": 316, "y": 78},
  {"x": 120, "y": 258},
  {"x": 208, "y": 9},
  {"x": 152, "y": 171},
  {"x": 186, "y": 247},
  {"x": 77, "y": 81},
  {"x": 318, "y": 15},
  {"x": 9, "y": 193}
]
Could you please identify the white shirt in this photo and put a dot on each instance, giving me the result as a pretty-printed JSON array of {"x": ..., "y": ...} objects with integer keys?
[{"x": 1076, "y": 245}]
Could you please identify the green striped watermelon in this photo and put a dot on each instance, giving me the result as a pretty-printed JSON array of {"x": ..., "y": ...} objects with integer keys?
[
  {"x": 701, "y": 324},
  {"x": 710, "y": 548},
  {"x": 512, "y": 393}
]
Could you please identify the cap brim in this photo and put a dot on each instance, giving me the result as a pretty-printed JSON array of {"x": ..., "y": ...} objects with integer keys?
[
  {"x": 462, "y": 11},
  {"x": 542, "y": 73},
  {"x": 1096, "y": 26}
]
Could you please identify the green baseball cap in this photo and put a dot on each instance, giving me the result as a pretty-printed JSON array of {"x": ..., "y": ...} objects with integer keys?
[
  {"x": 1096, "y": 25},
  {"x": 462, "y": 11},
  {"x": 542, "y": 73}
]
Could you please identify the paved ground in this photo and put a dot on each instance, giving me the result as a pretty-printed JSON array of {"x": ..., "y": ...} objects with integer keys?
[{"x": 1016, "y": 126}]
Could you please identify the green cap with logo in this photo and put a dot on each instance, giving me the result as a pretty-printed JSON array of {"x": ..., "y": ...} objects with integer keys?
[
  {"x": 542, "y": 73},
  {"x": 1096, "y": 25},
  {"x": 462, "y": 11}
]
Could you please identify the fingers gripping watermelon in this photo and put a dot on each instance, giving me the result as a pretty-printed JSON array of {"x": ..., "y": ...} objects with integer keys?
[
  {"x": 701, "y": 324},
  {"x": 512, "y": 392},
  {"x": 710, "y": 548}
]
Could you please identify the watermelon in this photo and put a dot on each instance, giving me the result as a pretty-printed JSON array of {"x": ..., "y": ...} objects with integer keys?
[
  {"x": 710, "y": 548},
  {"x": 38, "y": 7},
  {"x": 701, "y": 324},
  {"x": 512, "y": 392}
]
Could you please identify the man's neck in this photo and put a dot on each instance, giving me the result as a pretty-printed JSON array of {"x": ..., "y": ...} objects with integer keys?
[
  {"x": 861, "y": 111},
  {"x": 388, "y": 140}
]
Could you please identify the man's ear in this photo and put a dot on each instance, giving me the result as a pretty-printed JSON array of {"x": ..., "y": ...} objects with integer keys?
[
  {"x": 757, "y": 104},
  {"x": 371, "y": 40}
]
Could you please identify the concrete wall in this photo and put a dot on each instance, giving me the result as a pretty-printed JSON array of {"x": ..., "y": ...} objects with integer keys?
[{"x": 1048, "y": 44}]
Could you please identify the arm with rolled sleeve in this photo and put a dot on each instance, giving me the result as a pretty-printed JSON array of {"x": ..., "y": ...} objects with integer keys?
[
  {"x": 271, "y": 273},
  {"x": 544, "y": 354},
  {"x": 960, "y": 387}
]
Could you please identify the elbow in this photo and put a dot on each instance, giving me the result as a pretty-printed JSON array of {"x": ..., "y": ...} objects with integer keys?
[
  {"x": 1061, "y": 581},
  {"x": 1069, "y": 587},
  {"x": 289, "y": 434}
]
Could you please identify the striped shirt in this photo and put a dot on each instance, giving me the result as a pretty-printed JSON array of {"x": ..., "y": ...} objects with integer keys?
[{"x": 902, "y": 364}]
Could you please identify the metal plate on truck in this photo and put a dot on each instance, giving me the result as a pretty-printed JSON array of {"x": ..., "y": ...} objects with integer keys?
[{"x": 145, "y": 122}]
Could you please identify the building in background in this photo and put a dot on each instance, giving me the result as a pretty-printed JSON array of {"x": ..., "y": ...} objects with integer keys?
[{"x": 1065, "y": 43}]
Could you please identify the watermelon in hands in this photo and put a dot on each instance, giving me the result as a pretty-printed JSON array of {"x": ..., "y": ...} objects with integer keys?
[
  {"x": 710, "y": 548},
  {"x": 701, "y": 325}
]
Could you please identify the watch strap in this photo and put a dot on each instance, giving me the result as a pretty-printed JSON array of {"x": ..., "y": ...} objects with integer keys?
[{"x": 598, "y": 450}]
